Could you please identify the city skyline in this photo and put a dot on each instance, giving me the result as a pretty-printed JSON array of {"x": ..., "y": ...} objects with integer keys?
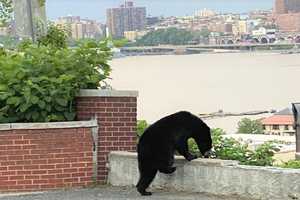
[{"x": 96, "y": 9}]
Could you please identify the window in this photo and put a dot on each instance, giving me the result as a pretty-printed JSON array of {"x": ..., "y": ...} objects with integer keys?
[
  {"x": 276, "y": 127},
  {"x": 286, "y": 127}
]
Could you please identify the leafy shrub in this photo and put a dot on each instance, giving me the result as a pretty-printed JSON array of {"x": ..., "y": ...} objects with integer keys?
[
  {"x": 55, "y": 37},
  {"x": 141, "y": 127},
  {"x": 39, "y": 83},
  {"x": 6, "y": 10},
  {"x": 295, "y": 164},
  {"x": 231, "y": 149}
]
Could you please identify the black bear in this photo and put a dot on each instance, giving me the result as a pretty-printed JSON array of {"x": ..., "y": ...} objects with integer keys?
[{"x": 159, "y": 142}]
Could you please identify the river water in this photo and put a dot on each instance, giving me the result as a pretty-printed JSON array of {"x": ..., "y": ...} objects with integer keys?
[{"x": 204, "y": 83}]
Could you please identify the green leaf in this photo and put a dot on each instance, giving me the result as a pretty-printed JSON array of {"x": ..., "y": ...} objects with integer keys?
[
  {"x": 61, "y": 101},
  {"x": 4, "y": 95},
  {"x": 20, "y": 75},
  {"x": 13, "y": 101},
  {"x": 42, "y": 104},
  {"x": 35, "y": 116},
  {"x": 48, "y": 108},
  {"x": 70, "y": 115},
  {"x": 3, "y": 87},
  {"x": 48, "y": 99},
  {"x": 28, "y": 116},
  {"x": 34, "y": 99},
  {"x": 23, "y": 107},
  {"x": 60, "y": 108}
]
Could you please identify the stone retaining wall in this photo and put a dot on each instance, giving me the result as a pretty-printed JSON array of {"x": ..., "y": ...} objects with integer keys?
[{"x": 219, "y": 177}]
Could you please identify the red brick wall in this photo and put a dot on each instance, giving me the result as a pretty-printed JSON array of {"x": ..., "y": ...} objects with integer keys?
[
  {"x": 45, "y": 159},
  {"x": 117, "y": 125}
]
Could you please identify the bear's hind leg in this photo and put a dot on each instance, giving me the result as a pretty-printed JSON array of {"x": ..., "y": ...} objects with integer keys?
[
  {"x": 146, "y": 177},
  {"x": 167, "y": 170},
  {"x": 166, "y": 166}
]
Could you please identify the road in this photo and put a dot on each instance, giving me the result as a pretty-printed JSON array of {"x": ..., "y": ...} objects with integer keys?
[{"x": 112, "y": 193}]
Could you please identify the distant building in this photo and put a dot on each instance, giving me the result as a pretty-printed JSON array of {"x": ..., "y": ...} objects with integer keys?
[
  {"x": 280, "y": 7},
  {"x": 243, "y": 26},
  {"x": 205, "y": 13},
  {"x": 134, "y": 35},
  {"x": 81, "y": 28},
  {"x": 221, "y": 27},
  {"x": 125, "y": 18},
  {"x": 287, "y": 15},
  {"x": 286, "y": 6},
  {"x": 288, "y": 22},
  {"x": 263, "y": 31},
  {"x": 152, "y": 20},
  {"x": 281, "y": 123}
]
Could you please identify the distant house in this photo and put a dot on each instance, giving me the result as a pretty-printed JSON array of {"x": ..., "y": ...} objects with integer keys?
[{"x": 281, "y": 123}]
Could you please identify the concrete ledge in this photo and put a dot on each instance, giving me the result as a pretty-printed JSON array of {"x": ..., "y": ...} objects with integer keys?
[
  {"x": 49, "y": 125},
  {"x": 180, "y": 159},
  {"x": 219, "y": 177},
  {"x": 107, "y": 93},
  {"x": 297, "y": 156}
]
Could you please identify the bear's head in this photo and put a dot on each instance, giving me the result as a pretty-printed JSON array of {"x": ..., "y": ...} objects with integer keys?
[
  {"x": 202, "y": 135},
  {"x": 204, "y": 142}
]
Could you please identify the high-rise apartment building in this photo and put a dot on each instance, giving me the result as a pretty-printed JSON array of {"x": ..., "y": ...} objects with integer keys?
[
  {"x": 287, "y": 15},
  {"x": 280, "y": 7},
  {"x": 125, "y": 18},
  {"x": 81, "y": 28},
  {"x": 287, "y": 6}
]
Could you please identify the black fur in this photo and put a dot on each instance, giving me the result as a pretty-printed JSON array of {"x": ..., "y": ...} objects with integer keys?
[{"x": 158, "y": 143}]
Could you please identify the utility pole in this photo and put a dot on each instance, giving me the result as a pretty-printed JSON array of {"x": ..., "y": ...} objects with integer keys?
[
  {"x": 30, "y": 16},
  {"x": 26, "y": 14},
  {"x": 296, "y": 111}
]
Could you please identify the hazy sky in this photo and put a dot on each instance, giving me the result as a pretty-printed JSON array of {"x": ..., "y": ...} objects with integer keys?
[{"x": 96, "y": 9}]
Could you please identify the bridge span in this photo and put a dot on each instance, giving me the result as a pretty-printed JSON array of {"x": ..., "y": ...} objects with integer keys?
[{"x": 189, "y": 49}]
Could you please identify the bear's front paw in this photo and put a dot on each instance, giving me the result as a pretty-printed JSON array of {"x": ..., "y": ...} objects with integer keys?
[{"x": 191, "y": 157}]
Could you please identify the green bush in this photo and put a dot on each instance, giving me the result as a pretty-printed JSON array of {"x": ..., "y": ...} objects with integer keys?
[
  {"x": 39, "y": 83},
  {"x": 55, "y": 37},
  {"x": 231, "y": 149},
  {"x": 295, "y": 164},
  {"x": 141, "y": 127}
]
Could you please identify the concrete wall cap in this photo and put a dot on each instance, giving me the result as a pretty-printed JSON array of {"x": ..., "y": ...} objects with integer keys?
[
  {"x": 180, "y": 159},
  {"x": 107, "y": 93},
  {"x": 49, "y": 125}
]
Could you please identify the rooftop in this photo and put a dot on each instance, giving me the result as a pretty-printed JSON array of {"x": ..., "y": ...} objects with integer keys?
[{"x": 278, "y": 120}]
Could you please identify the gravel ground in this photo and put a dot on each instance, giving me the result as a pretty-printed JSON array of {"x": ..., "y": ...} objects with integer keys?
[{"x": 112, "y": 193}]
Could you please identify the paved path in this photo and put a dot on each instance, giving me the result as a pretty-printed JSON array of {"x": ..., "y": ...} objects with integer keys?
[{"x": 112, "y": 193}]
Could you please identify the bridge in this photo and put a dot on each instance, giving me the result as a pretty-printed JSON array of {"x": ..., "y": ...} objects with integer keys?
[{"x": 190, "y": 49}]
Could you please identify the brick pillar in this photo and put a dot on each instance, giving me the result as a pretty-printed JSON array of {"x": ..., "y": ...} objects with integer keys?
[{"x": 116, "y": 112}]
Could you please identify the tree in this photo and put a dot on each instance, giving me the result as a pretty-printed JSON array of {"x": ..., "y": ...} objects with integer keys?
[
  {"x": 6, "y": 10},
  {"x": 172, "y": 36},
  {"x": 249, "y": 126}
]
